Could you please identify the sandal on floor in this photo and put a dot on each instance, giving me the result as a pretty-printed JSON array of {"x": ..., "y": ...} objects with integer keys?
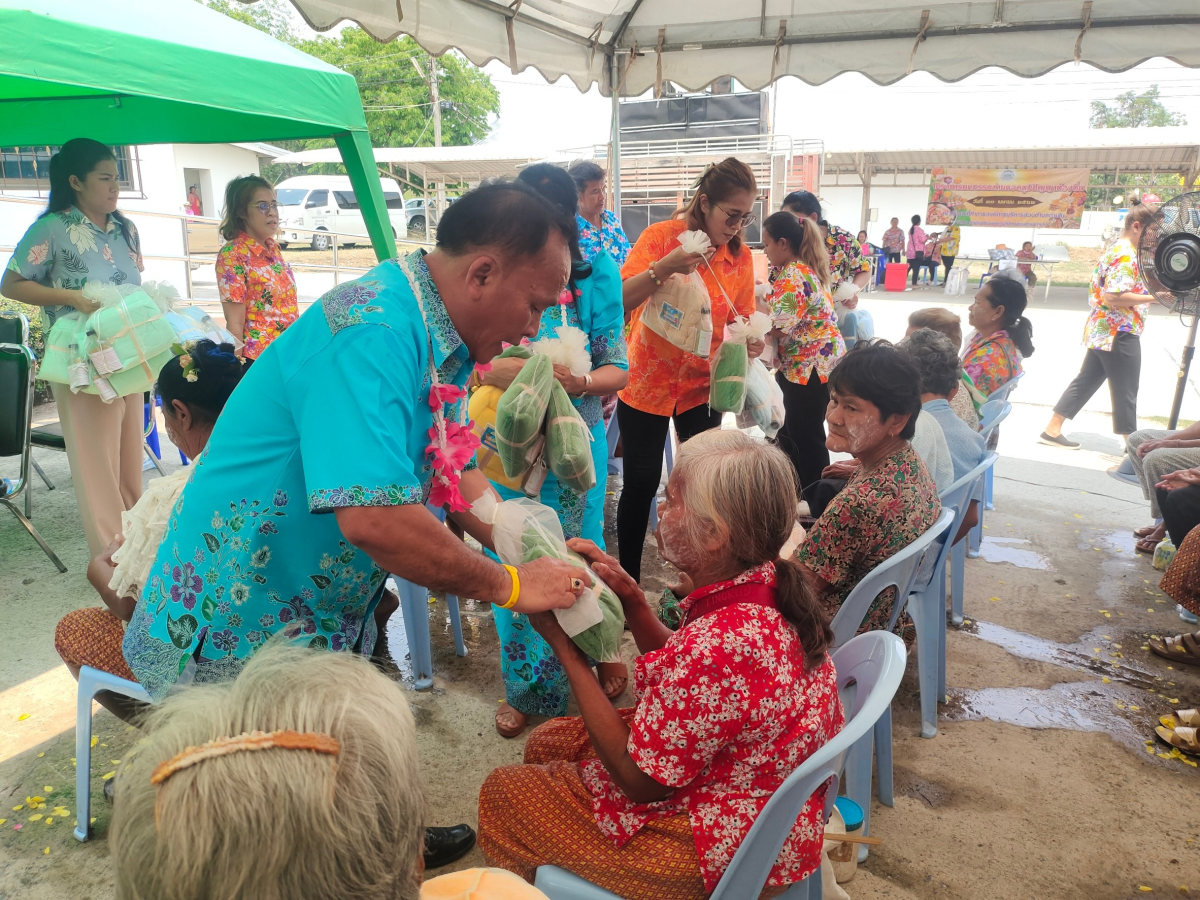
[
  {"x": 1183, "y": 738},
  {"x": 1187, "y": 718},
  {"x": 520, "y": 721},
  {"x": 1145, "y": 532},
  {"x": 1146, "y": 545},
  {"x": 622, "y": 678},
  {"x": 1184, "y": 648}
]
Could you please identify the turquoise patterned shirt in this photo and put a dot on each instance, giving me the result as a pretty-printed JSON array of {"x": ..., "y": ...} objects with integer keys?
[
  {"x": 333, "y": 414},
  {"x": 609, "y": 237}
]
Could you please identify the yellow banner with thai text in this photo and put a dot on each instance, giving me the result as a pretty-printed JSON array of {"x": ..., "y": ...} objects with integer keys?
[{"x": 1007, "y": 198}]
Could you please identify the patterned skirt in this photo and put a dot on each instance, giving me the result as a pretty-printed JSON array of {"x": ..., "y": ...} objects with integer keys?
[
  {"x": 1182, "y": 580},
  {"x": 540, "y": 814},
  {"x": 92, "y": 637}
]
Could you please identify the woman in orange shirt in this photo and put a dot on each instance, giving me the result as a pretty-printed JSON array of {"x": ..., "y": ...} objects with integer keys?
[{"x": 666, "y": 382}]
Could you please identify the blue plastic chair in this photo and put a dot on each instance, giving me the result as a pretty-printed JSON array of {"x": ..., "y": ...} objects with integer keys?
[
  {"x": 414, "y": 607},
  {"x": 91, "y": 682},
  {"x": 1001, "y": 393},
  {"x": 899, "y": 571},
  {"x": 958, "y": 554},
  {"x": 869, "y": 670},
  {"x": 990, "y": 417},
  {"x": 150, "y": 439}
]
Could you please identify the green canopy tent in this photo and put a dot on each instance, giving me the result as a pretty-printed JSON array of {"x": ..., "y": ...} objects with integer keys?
[{"x": 173, "y": 71}]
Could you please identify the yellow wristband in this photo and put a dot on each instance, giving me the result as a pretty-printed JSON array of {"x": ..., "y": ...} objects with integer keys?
[{"x": 516, "y": 588}]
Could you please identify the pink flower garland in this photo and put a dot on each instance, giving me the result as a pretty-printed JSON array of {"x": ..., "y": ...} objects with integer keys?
[{"x": 451, "y": 446}]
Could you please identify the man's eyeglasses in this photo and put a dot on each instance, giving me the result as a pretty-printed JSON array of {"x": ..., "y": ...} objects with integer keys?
[
  {"x": 264, "y": 207},
  {"x": 736, "y": 218}
]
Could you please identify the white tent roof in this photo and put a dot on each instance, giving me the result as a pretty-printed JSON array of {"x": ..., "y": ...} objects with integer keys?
[
  {"x": 470, "y": 164},
  {"x": 692, "y": 42}
]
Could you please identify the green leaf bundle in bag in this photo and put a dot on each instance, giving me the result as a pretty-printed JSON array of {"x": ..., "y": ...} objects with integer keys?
[
  {"x": 519, "y": 415},
  {"x": 524, "y": 530},
  {"x": 727, "y": 381},
  {"x": 569, "y": 443}
]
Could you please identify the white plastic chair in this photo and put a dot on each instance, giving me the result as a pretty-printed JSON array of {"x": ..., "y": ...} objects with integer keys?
[
  {"x": 869, "y": 670},
  {"x": 414, "y": 607},
  {"x": 91, "y": 682},
  {"x": 899, "y": 571},
  {"x": 990, "y": 417}
]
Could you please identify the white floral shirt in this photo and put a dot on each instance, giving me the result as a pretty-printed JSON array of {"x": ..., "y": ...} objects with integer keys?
[
  {"x": 66, "y": 250},
  {"x": 726, "y": 712}
]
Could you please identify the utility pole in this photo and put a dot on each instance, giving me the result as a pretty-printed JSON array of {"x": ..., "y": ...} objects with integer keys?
[{"x": 436, "y": 103}]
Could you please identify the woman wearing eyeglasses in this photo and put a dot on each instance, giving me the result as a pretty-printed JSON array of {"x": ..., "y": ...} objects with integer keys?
[
  {"x": 666, "y": 382},
  {"x": 257, "y": 288}
]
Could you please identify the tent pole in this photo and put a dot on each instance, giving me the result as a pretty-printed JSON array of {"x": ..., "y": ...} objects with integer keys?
[
  {"x": 615, "y": 163},
  {"x": 359, "y": 160},
  {"x": 1185, "y": 363}
]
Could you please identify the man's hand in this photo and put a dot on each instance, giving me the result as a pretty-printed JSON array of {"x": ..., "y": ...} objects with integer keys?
[{"x": 548, "y": 583}]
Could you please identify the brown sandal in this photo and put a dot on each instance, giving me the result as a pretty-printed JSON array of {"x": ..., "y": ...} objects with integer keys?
[
  {"x": 1145, "y": 532},
  {"x": 520, "y": 721},
  {"x": 1146, "y": 545},
  {"x": 1182, "y": 738},
  {"x": 1183, "y": 648},
  {"x": 622, "y": 679}
]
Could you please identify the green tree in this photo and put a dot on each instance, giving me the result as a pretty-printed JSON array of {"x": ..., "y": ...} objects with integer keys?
[
  {"x": 393, "y": 83},
  {"x": 1133, "y": 110}
]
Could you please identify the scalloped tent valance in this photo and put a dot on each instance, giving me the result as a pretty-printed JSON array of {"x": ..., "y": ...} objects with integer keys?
[{"x": 639, "y": 44}]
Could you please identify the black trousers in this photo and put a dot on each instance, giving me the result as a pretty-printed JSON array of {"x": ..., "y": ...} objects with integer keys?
[
  {"x": 914, "y": 266},
  {"x": 1180, "y": 510},
  {"x": 1122, "y": 368},
  {"x": 802, "y": 436},
  {"x": 820, "y": 494},
  {"x": 643, "y": 436},
  {"x": 948, "y": 262},
  {"x": 893, "y": 257}
]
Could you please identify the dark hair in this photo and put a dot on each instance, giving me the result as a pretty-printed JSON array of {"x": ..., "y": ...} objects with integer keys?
[
  {"x": 79, "y": 157},
  {"x": 883, "y": 375},
  {"x": 584, "y": 173},
  {"x": 237, "y": 203},
  {"x": 916, "y": 220},
  {"x": 804, "y": 203},
  {"x": 803, "y": 238},
  {"x": 218, "y": 372},
  {"x": 508, "y": 215},
  {"x": 557, "y": 186},
  {"x": 936, "y": 358},
  {"x": 1139, "y": 212},
  {"x": 1010, "y": 293},
  {"x": 718, "y": 182}
]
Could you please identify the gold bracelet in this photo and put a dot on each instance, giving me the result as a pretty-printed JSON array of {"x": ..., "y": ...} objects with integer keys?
[
  {"x": 516, "y": 588},
  {"x": 654, "y": 276}
]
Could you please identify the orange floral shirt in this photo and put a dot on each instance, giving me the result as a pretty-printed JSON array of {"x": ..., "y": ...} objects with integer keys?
[
  {"x": 663, "y": 379},
  {"x": 258, "y": 276}
]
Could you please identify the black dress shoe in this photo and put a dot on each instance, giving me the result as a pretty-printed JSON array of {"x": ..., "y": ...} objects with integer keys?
[{"x": 444, "y": 845}]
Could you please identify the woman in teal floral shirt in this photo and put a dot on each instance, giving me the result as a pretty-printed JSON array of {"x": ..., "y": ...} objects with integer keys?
[{"x": 535, "y": 682}]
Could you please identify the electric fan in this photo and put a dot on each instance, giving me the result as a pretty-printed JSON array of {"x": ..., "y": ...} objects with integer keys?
[{"x": 1169, "y": 265}]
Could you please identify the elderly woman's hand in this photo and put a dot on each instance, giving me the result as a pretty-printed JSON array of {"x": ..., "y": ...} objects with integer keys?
[
  {"x": 620, "y": 581},
  {"x": 546, "y": 624}
]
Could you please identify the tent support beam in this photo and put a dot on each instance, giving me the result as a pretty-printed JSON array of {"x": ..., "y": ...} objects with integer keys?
[
  {"x": 864, "y": 174},
  {"x": 614, "y": 164},
  {"x": 359, "y": 160},
  {"x": 513, "y": 13}
]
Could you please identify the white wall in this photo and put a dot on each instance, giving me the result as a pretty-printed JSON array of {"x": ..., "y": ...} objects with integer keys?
[{"x": 842, "y": 205}]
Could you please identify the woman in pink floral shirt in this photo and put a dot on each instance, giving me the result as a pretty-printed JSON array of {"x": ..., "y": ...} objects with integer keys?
[
  {"x": 255, "y": 282},
  {"x": 806, "y": 329},
  {"x": 1112, "y": 336},
  {"x": 654, "y": 802},
  {"x": 1003, "y": 334}
]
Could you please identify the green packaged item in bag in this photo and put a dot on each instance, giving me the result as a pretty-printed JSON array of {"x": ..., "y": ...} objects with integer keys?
[
  {"x": 519, "y": 415},
  {"x": 727, "y": 382},
  {"x": 569, "y": 443},
  {"x": 524, "y": 530}
]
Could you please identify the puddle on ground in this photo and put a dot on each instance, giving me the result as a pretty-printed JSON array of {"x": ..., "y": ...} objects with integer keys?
[{"x": 1005, "y": 550}]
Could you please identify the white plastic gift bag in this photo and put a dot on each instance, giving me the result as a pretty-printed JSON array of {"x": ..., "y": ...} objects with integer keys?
[
  {"x": 680, "y": 311},
  {"x": 727, "y": 381},
  {"x": 764, "y": 401},
  {"x": 524, "y": 530}
]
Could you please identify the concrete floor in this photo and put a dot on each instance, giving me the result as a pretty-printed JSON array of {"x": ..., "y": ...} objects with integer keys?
[{"x": 1039, "y": 783}]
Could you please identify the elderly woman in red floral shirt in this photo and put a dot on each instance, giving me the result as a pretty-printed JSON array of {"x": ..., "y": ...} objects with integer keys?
[
  {"x": 654, "y": 801},
  {"x": 255, "y": 283}
]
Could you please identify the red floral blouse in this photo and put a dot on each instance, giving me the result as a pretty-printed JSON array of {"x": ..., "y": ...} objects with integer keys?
[
  {"x": 726, "y": 711},
  {"x": 258, "y": 276}
]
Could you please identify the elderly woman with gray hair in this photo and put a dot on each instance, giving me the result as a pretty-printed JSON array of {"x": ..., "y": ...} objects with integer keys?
[{"x": 654, "y": 801}]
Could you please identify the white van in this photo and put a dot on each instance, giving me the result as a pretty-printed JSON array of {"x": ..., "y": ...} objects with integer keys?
[{"x": 322, "y": 203}]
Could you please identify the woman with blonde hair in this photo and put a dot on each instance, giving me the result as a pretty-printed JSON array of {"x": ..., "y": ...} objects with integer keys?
[
  {"x": 299, "y": 779},
  {"x": 654, "y": 801},
  {"x": 666, "y": 382},
  {"x": 255, "y": 282},
  {"x": 810, "y": 343}
]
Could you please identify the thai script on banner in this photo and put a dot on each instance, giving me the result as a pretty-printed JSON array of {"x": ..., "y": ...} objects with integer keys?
[{"x": 998, "y": 198}]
